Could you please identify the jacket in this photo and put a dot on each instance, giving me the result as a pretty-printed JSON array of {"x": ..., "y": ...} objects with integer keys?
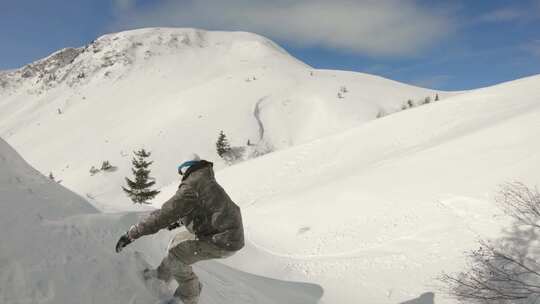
[{"x": 201, "y": 205}]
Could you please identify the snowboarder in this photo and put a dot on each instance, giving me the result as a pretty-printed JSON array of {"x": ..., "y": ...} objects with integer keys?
[{"x": 212, "y": 220}]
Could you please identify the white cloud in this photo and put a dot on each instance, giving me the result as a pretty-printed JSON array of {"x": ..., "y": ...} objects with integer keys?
[
  {"x": 388, "y": 28},
  {"x": 502, "y": 15},
  {"x": 532, "y": 47},
  {"x": 124, "y": 5}
]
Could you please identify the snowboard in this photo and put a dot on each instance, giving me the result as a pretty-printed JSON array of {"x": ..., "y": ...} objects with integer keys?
[{"x": 159, "y": 289}]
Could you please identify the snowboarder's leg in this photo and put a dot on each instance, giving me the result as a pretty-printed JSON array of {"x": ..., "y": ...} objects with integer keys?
[
  {"x": 163, "y": 272},
  {"x": 179, "y": 261}
]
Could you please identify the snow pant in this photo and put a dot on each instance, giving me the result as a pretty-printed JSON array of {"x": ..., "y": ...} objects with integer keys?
[{"x": 184, "y": 251}]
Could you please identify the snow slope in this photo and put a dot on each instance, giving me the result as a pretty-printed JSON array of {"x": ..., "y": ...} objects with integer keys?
[
  {"x": 56, "y": 248},
  {"x": 375, "y": 213},
  {"x": 171, "y": 91}
]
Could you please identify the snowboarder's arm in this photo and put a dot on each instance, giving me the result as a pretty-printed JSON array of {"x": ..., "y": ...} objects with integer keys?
[{"x": 176, "y": 207}]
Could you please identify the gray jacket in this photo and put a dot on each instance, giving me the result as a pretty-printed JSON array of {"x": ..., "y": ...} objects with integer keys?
[{"x": 202, "y": 205}]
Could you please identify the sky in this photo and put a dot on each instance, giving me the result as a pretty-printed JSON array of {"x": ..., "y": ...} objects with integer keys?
[{"x": 445, "y": 45}]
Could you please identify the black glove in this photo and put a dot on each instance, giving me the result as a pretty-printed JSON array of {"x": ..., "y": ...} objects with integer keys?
[
  {"x": 173, "y": 226},
  {"x": 123, "y": 242}
]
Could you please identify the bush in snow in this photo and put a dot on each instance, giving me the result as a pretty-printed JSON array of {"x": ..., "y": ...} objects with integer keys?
[
  {"x": 259, "y": 149},
  {"x": 140, "y": 189},
  {"x": 507, "y": 270},
  {"x": 106, "y": 166},
  {"x": 381, "y": 113},
  {"x": 93, "y": 170}
]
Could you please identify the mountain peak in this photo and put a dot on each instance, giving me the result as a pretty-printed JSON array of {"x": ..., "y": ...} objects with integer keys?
[{"x": 113, "y": 55}]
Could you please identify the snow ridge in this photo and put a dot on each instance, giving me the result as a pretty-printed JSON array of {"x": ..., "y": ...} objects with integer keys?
[{"x": 56, "y": 248}]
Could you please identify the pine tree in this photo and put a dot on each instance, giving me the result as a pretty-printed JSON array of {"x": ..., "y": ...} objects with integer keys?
[
  {"x": 436, "y": 97},
  {"x": 51, "y": 176},
  {"x": 410, "y": 103},
  {"x": 427, "y": 100},
  {"x": 139, "y": 190},
  {"x": 222, "y": 145}
]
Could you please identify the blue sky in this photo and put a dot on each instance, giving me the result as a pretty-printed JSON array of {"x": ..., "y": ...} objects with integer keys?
[{"x": 447, "y": 45}]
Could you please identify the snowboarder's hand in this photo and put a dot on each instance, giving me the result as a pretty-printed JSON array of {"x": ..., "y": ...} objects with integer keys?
[
  {"x": 123, "y": 242},
  {"x": 173, "y": 226}
]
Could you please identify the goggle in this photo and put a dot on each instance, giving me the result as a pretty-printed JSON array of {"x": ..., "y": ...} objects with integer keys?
[{"x": 186, "y": 165}]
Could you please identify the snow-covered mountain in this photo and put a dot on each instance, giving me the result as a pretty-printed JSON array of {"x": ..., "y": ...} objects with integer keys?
[
  {"x": 56, "y": 248},
  {"x": 172, "y": 91}
]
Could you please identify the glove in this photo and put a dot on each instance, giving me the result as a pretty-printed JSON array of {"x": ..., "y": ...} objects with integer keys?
[
  {"x": 123, "y": 242},
  {"x": 173, "y": 226}
]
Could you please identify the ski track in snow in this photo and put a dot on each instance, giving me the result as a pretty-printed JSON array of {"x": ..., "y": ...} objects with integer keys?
[{"x": 256, "y": 114}]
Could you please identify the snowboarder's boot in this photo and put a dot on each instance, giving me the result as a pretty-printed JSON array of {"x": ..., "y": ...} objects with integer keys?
[
  {"x": 157, "y": 286},
  {"x": 191, "y": 299}
]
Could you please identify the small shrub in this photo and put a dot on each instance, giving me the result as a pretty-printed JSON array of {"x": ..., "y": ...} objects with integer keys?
[
  {"x": 93, "y": 170},
  {"x": 106, "y": 165},
  {"x": 506, "y": 271}
]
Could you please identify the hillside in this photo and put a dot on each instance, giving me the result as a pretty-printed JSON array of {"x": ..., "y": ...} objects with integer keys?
[
  {"x": 375, "y": 213},
  {"x": 56, "y": 248},
  {"x": 171, "y": 91}
]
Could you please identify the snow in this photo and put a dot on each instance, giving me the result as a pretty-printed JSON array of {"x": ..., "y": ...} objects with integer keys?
[
  {"x": 375, "y": 213},
  {"x": 56, "y": 248},
  {"x": 172, "y": 91},
  {"x": 371, "y": 210}
]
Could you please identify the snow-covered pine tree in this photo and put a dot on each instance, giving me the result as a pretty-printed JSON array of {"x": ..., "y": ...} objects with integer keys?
[
  {"x": 139, "y": 190},
  {"x": 222, "y": 145}
]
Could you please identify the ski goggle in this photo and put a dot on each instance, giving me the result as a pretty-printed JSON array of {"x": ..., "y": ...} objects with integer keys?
[{"x": 185, "y": 165}]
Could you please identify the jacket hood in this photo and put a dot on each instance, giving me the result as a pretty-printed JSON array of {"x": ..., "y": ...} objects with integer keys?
[{"x": 196, "y": 167}]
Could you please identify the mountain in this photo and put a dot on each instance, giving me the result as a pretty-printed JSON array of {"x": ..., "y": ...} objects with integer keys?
[
  {"x": 56, "y": 248},
  {"x": 171, "y": 91}
]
